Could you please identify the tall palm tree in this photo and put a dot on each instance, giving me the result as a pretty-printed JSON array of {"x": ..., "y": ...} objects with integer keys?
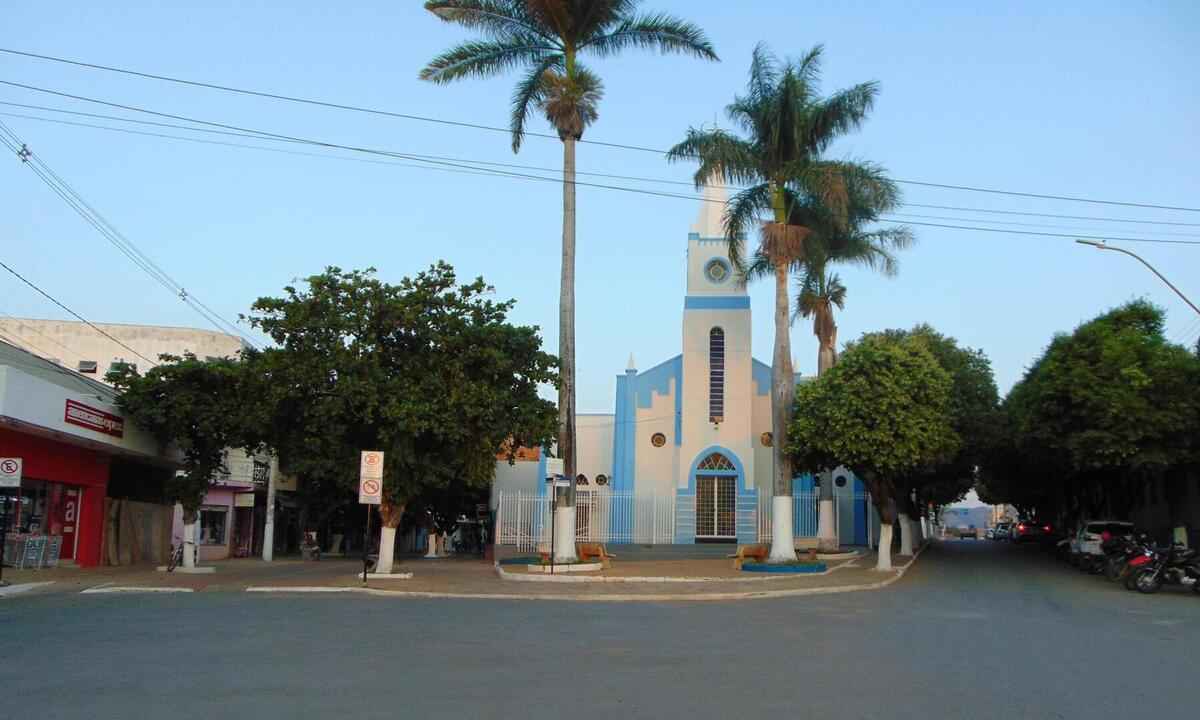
[
  {"x": 544, "y": 39},
  {"x": 820, "y": 293},
  {"x": 803, "y": 205}
]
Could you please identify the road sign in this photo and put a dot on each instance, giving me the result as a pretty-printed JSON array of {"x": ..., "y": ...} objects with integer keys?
[
  {"x": 554, "y": 466},
  {"x": 10, "y": 472},
  {"x": 370, "y": 478}
]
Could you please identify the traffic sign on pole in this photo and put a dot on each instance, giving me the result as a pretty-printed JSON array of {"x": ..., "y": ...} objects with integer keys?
[
  {"x": 10, "y": 472},
  {"x": 370, "y": 478}
]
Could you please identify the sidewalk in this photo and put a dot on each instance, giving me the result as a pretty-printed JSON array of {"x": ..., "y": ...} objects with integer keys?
[{"x": 664, "y": 580}]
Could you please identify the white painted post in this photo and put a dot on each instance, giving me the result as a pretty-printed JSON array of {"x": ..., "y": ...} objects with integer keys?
[
  {"x": 268, "y": 552},
  {"x": 189, "y": 544},
  {"x": 906, "y": 532}
]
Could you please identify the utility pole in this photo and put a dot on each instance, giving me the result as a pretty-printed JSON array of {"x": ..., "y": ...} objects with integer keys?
[
  {"x": 268, "y": 553},
  {"x": 1103, "y": 246}
]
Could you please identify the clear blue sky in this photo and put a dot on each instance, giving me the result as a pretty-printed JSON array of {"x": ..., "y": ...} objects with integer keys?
[{"x": 1094, "y": 99}]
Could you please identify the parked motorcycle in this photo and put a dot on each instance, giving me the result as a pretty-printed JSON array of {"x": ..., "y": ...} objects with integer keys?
[
  {"x": 1176, "y": 565},
  {"x": 1119, "y": 550}
]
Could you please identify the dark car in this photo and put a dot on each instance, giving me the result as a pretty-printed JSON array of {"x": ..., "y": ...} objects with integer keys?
[{"x": 1030, "y": 531}]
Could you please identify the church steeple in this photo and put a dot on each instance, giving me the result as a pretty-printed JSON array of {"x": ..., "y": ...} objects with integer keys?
[{"x": 710, "y": 223}]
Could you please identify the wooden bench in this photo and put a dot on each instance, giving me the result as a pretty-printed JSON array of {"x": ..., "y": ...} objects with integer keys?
[
  {"x": 758, "y": 553},
  {"x": 589, "y": 551}
]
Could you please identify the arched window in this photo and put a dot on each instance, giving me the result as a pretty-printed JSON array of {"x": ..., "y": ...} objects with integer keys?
[
  {"x": 716, "y": 461},
  {"x": 716, "y": 375}
]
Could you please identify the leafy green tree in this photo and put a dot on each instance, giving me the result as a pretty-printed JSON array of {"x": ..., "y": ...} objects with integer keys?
[
  {"x": 814, "y": 208},
  {"x": 544, "y": 40},
  {"x": 194, "y": 405},
  {"x": 1102, "y": 411},
  {"x": 427, "y": 370},
  {"x": 884, "y": 411},
  {"x": 974, "y": 415}
]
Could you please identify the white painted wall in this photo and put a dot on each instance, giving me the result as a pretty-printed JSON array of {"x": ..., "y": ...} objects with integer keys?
[
  {"x": 70, "y": 342},
  {"x": 656, "y": 469},
  {"x": 594, "y": 443}
]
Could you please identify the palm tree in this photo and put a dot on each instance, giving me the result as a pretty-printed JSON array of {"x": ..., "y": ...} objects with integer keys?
[
  {"x": 820, "y": 293},
  {"x": 544, "y": 39},
  {"x": 813, "y": 208}
]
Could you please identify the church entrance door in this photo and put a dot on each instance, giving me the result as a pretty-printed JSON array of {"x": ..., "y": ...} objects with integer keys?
[{"x": 716, "y": 508}]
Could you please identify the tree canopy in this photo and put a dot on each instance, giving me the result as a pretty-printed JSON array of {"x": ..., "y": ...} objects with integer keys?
[
  {"x": 427, "y": 370},
  {"x": 1103, "y": 409},
  {"x": 194, "y": 405},
  {"x": 884, "y": 411}
]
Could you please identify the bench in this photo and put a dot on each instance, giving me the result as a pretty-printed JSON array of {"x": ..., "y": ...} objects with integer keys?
[
  {"x": 757, "y": 553},
  {"x": 596, "y": 551}
]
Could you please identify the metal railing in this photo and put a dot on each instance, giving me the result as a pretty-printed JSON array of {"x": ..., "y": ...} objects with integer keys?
[{"x": 523, "y": 519}]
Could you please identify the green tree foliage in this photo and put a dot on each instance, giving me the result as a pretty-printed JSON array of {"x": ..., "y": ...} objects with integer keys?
[
  {"x": 427, "y": 370},
  {"x": 192, "y": 404},
  {"x": 885, "y": 411},
  {"x": 1102, "y": 410},
  {"x": 974, "y": 415}
]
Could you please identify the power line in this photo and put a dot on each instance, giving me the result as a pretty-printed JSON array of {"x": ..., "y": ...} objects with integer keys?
[
  {"x": 79, "y": 317},
  {"x": 1022, "y": 224},
  {"x": 93, "y": 217},
  {"x": 636, "y": 178},
  {"x": 465, "y": 165},
  {"x": 492, "y": 128}
]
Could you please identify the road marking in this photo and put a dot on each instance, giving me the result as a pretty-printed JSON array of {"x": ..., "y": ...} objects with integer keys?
[
  {"x": 23, "y": 587},
  {"x": 99, "y": 589}
]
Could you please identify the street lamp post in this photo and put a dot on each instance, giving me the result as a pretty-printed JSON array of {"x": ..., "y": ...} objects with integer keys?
[{"x": 1103, "y": 246}]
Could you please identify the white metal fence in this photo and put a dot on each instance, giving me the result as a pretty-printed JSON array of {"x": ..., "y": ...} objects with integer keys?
[
  {"x": 805, "y": 511},
  {"x": 523, "y": 519}
]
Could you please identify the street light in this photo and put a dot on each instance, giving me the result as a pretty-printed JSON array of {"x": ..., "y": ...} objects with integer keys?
[{"x": 1102, "y": 246}]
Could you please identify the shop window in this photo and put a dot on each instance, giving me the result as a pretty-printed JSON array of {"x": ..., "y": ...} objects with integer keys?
[
  {"x": 87, "y": 366},
  {"x": 212, "y": 525}
]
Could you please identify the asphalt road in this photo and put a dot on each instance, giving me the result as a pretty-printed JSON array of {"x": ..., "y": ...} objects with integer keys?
[{"x": 975, "y": 630}]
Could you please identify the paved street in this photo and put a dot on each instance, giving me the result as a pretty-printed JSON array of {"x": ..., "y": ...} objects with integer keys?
[{"x": 976, "y": 629}]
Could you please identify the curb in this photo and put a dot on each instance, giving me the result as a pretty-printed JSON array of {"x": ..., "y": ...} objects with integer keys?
[
  {"x": 10, "y": 590},
  {"x": 522, "y": 577},
  {"x": 897, "y": 573}
]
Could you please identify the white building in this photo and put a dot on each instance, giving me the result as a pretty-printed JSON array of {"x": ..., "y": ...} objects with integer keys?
[
  {"x": 686, "y": 455},
  {"x": 77, "y": 346}
]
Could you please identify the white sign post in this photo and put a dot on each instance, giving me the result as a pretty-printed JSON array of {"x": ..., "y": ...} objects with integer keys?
[
  {"x": 370, "y": 492},
  {"x": 10, "y": 472}
]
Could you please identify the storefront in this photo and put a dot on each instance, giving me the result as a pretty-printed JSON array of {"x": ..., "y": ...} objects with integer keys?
[
  {"x": 67, "y": 433},
  {"x": 230, "y": 522}
]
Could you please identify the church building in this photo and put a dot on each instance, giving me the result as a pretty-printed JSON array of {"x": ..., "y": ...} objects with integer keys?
[{"x": 686, "y": 455}]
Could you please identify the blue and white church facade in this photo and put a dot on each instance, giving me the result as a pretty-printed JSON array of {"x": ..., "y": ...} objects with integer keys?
[{"x": 686, "y": 455}]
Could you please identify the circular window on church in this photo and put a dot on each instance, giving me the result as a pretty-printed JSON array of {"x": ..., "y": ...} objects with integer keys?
[
  {"x": 766, "y": 439},
  {"x": 581, "y": 479},
  {"x": 840, "y": 481},
  {"x": 717, "y": 271},
  {"x": 601, "y": 479},
  {"x": 658, "y": 439}
]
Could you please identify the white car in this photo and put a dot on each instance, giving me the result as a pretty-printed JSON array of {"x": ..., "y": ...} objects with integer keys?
[{"x": 1087, "y": 540}]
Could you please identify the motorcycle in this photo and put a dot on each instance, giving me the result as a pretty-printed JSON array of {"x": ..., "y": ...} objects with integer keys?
[
  {"x": 1176, "y": 565},
  {"x": 1119, "y": 550}
]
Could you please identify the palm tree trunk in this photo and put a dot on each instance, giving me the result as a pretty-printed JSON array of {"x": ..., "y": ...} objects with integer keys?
[
  {"x": 827, "y": 538},
  {"x": 564, "y": 550},
  {"x": 783, "y": 392}
]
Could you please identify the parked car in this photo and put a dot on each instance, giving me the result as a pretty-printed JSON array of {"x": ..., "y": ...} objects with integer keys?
[
  {"x": 1030, "y": 531},
  {"x": 1085, "y": 544},
  {"x": 990, "y": 534},
  {"x": 1002, "y": 531}
]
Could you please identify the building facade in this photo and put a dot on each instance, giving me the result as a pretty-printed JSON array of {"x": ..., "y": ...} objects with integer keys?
[
  {"x": 91, "y": 484},
  {"x": 232, "y": 519},
  {"x": 692, "y": 433}
]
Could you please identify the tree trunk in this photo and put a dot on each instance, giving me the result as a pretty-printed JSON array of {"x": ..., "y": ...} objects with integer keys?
[
  {"x": 783, "y": 392},
  {"x": 886, "y": 507},
  {"x": 906, "y": 534},
  {"x": 189, "y": 537},
  {"x": 827, "y": 536},
  {"x": 390, "y": 514},
  {"x": 566, "y": 350}
]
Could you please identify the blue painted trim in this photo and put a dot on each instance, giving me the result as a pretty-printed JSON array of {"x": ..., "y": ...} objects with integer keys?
[
  {"x": 657, "y": 380},
  {"x": 716, "y": 302},
  {"x": 762, "y": 377},
  {"x": 740, "y": 472},
  {"x": 541, "y": 476},
  {"x": 624, "y": 448}
]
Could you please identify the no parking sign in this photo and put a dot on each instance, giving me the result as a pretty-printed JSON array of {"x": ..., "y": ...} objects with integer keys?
[
  {"x": 370, "y": 478},
  {"x": 10, "y": 472}
]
